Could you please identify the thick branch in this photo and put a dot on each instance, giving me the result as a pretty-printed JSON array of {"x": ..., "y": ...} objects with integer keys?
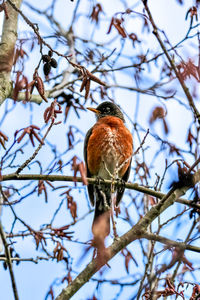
[
  {"x": 34, "y": 98},
  {"x": 7, "y": 47},
  {"x": 136, "y": 232}
]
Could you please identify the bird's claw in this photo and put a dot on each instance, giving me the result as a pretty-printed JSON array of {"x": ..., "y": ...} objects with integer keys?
[
  {"x": 121, "y": 184},
  {"x": 99, "y": 180}
]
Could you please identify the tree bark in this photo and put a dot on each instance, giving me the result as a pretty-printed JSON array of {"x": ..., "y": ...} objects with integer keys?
[{"x": 7, "y": 48}]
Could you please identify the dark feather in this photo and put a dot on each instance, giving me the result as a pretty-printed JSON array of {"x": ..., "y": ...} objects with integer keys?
[
  {"x": 120, "y": 190},
  {"x": 90, "y": 187},
  {"x": 102, "y": 207}
]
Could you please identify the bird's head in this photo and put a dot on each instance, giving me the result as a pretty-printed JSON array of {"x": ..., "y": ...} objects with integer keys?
[{"x": 107, "y": 109}]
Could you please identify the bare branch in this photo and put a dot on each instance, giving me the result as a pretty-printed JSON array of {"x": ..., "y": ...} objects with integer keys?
[
  {"x": 9, "y": 262},
  {"x": 178, "y": 76},
  {"x": 136, "y": 232},
  {"x": 7, "y": 46},
  {"x": 25, "y": 164},
  {"x": 170, "y": 243},
  {"x": 131, "y": 186}
]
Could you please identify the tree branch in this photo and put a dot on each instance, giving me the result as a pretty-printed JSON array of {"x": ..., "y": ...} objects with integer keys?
[
  {"x": 136, "y": 232},
  {"x": 7, "y": 47},
  {"x": 172, "y": 64},
  {"x": 9, "y": 262},
  {"x": 25, "y": 164},
  {"x": 130, "y": 186},
  {"x": 163, "y": 240},
  {"x": 34, "y": 98}
]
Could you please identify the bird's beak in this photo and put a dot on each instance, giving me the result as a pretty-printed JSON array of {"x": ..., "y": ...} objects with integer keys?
[{"x": 96, "y": 111}]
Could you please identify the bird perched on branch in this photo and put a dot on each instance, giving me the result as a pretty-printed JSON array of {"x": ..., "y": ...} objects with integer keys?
[{"x": 108, "y": 149}]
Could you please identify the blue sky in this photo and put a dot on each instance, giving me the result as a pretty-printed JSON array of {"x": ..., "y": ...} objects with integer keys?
[{"x": 33, "y": 280}]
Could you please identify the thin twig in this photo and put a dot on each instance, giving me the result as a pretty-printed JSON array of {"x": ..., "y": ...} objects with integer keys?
[
  {"x": 171, "y": 243},
  {"x": 25, "y": 164},
  {"x": 9, "y": 262},
  {"x": 34, "y": 260},
  {"x": 186, "y": 240},
  {"x": 142, "y": 143},
  {"x": 172, "y": 64}
]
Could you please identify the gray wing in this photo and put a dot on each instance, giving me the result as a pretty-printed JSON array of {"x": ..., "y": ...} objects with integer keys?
[
  {"x": 120, "y": 190},
  {"x": 90, "y": 187}
]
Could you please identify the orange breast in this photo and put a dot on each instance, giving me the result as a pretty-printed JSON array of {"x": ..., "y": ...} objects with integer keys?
[{"x": 110, "y": 147}]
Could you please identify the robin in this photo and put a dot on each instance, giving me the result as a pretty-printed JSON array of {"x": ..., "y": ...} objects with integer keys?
[{"x": 108, "y": 149}]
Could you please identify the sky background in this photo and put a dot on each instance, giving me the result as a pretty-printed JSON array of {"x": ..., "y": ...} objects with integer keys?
[{"x": 33, "y": 280}]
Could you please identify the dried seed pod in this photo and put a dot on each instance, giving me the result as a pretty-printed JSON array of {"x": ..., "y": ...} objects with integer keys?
[
  {"x": 50, "y": 53},
  {"x": 21, "y": 137},
  {"x": 37, "y": 137},
  {"x": 53, "y": 63},
  {"x": 94, "y": 78},
  {"x": 46, "y": 58},
  {"x": 83, "y": 83},
  {"x": 87, "y": 88},
  {"x": 31, "y": 85},
  {"x": 2, "y": 143},
  {"x": 47, "y": 114},
  {"x": 59, "y": 255},
  {"x": 31, "y": 139},
  {"x": 4, "y": 136},
  {"x": 46, "y": 69},
  {"x": 35, "y": 127},
  {"x": 40, "y": 87}
]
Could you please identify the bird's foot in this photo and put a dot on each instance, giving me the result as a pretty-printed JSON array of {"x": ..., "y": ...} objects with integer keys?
[
  {"x": 121, "y": 184},
  {"x": 99, "y": 179}
]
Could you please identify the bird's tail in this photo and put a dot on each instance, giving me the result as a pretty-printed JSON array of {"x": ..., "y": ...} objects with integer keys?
[{"x": 101, "y": 222}]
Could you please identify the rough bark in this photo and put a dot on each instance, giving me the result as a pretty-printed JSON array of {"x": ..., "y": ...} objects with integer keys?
[{"x": 7, "y": 47}]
